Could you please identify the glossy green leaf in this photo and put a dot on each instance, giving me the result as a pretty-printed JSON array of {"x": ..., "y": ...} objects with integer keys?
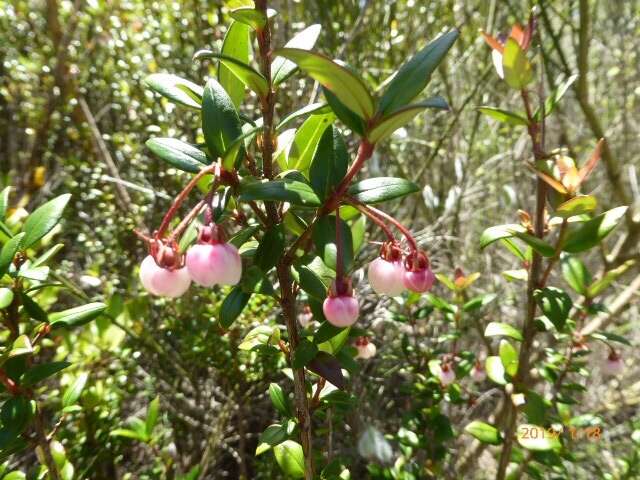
[
  {"x": 495, "y": 329},
  {"x": 499, "y": 232},
  {"x": 344, "y": 84},
  {"x": 591, "y": 233},
  {"x": 315, "y": 108},
  {"x": 324, "y": 239},
  {"x": 575, "y": 273},
  {"x": 4, "y": 202},
  {"x": 533, "y": 437},
  {"x": 399, "y": 118},
  {"x": 608, "y": 278},
  {"x": 414, "y": 75},
  {"x": 152, "y": 416},
  {"x": 282, "y": 68},
  {"x": 346, "y": 116},
  {"x": 484, "y": 432},
  {"x": 306, "y": 140},
  {"x": 381, "y": 189},
  {"x": 41, "y": 372},
  {"x": 538, "y": 244},
  {"x": 6, "y": 297},
  {"x": 16, "y": 414},
  {"x": 260, "y": 335},
  {"x": 273, "y": 435},
  {"x": 176, "y": 89},
  {"x": 495, "y": 370},
  {"x": 34, "y": 310},
  {"x": 75, "y": 317},
  {"x": 509, "y": 357},
  {"x": 311, "y": 282},
  {"x": 252, "y": 17},
  {"x": 73, "y": 392},
  {"x": 179, "y": 154},
  {"x": 21, "y": 346},
  {"x": 576, "y": 206},
  {"x": 280, "y": 400},
  {"x": 283, "y": 190},
  {"x": 290, "y": 458},
  {"x": 610, "y": 337},
  {"x": 326, "y": 332},
  {"x": 236, "y": 45},
  {"x": 517, "y": 68},
  {"x": 552, "y": 100},
  {"x": 243, "y": 72},
  {"x": 43, "y": 220},
  {"x": 220, "y": 122},
  {"x": 9, "y": 251},
  {"x": 305, "y": 352},
  {"x": 555, "y": 304},
  {"x": 479, "y": 302},
  {"x": 271, "y": 248},
  {"x": 329, "y": 164},
  {"x": 503, "y": 116},
  {"x": 232, "y": 306}
]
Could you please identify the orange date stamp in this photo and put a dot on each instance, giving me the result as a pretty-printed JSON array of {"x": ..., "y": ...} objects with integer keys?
[{"x": 534, "y": 432}]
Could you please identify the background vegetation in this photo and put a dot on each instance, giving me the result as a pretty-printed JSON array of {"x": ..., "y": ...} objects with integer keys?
[{"x": 75, "y": 116}]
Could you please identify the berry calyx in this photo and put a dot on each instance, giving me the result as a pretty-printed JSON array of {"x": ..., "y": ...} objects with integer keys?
[{"x": 418, "y": 275}]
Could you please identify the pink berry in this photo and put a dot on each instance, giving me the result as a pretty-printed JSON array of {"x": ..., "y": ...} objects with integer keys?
[
  {"x": 478, "y": 373},
  {"x": 161, "y": 281},
  {"x": 613, "y": 365},
  {"x": 366, "y": 349},
  {"x": 385, "y": 277},
  {"x": 420, "y": 280},
  {"x": 305, "y": 317},
  {"x": 211, "y": 264},
  {"x": 447, "y": 375},
  {"x": 341, "y": 310}
]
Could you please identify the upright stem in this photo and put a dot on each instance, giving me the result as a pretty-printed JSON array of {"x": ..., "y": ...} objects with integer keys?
[
  {"x": 339, "y": 253},
  {"x": 45, "y": 445},
  {"x": 283, "y": 269}
]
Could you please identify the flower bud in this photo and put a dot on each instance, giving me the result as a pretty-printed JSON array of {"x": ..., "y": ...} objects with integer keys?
[
  {"x": 341, "y": 307},
  {"x": 366, "y": 349},
  {"x": 163, "y": 281},
  {"x": 613, "y": 365},
  {"x": 212, "y": 262},
  {"x": 447, "y": 375},
  {"x": 418, "y": 276},
  {"x": 305, "y": 317},
  {"x": 478, "y": 373}
]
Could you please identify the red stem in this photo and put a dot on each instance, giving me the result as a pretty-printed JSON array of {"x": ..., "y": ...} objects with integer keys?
[
  {"x": 407, "y": 234},
  {"x": 339, "y": 252},
  {"x": 364, "y": 153},
  {"x": 364, "y": 209}
]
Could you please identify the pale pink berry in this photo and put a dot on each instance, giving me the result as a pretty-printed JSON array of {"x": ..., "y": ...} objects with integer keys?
[
  {"x": 478, "y": 373},
  {"x": 161, "y": 281},
  {"x": 366, "y": 349},
  {"x": 613, "y": 365},
  {"x": 418, "y": 276},
  {"x": 211, "y": 264},
  {"x": 447, "y": 375},
  {"x": 305, "y": 317},
  {"x": 341, "y": 311},
  {"x": 386, "y": 277}
]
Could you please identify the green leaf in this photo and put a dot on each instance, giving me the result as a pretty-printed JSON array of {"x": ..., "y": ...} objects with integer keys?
[
  {"x": 290, "y": 458},
  {"x": 324, "y": 239},
  {"x": 484, "y": 432},
  {"x": 281, "y": 68},
  {"x": 496, "y": 329},
  {"x": 179, "y": 154},
  {"x": 9, "y": 251},
  {"x": 509, "y": 357},
  {"x": 381, "y": 189},
  {"x": 414, "y": 75},
  {"x": 282, "y": 190},
  {"x": 4, "y": 202},
  {"x": 243, "y": 72},
  {"x": 517, "y": 68},
  {"x": 346, "y": 116},
  {"x": 306, "y": 140},
  {"x": 43, "y": 219},
  {"x": 495, "y": 370},
  {"x": 126, "y": 433},
  {"x": 479, "y": 302},
  {"x": 329, "y": 164},
  {"x": 553, "y": 99},
  {"x": 21, "y": 346},
  {"x": 16, "y": 414},
  {"x": 271, "y": 248},
  {"x": 41, "y": 372},
  {"x": 326, "y": 332},
  {"x": 176, "y": 89},
  {"x": 250, "y": 17},
  {"x": 576, "y": 206},
  {"x": 533, "y": 437},
  {"x": 34, "y": 310},
  {"x": 499, "y": 232},
  {"x": 610, "y": 337},
  {"x": 608, "y": 278},
  {"x": 592, "y": 232},
  {"x": 311, "y": 282},
  {"x": 73, "y": 392},
  {"x": 220, "y": 122},
  {"x": 398, "y": 118},
  {"x": 279, "y": 400},
  {"x": 232, "y": 306},
  {"x": 555, "y": 304},
  {"x": 440, "y": 303},
  {"x": 152, "y": 416},
  {"x": 74, "y": 317},
  {"x": 538, "y": 244},
  {"x": 575, "y": 273},
  {"x": 15, "y": 475},
  {"x": 305, "y": 352},
  {"x": 315, "y": 108},
  {"x": 6, "y": 297},
  {"x": 273, "y": 435},
  {"x": 260, "y": 335},
  {"x": 345, "y": 85},
  {"x": 504, "y": 116}
]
